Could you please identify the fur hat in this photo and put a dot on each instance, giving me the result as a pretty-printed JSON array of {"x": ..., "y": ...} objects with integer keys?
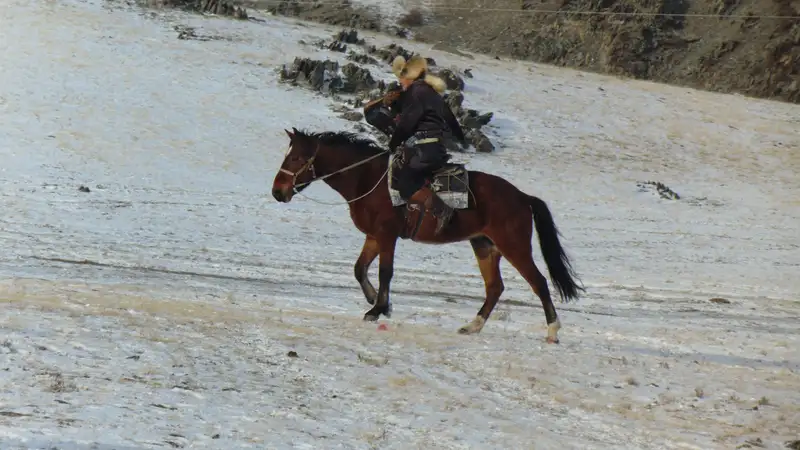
[{"x": 413, "y": 68}]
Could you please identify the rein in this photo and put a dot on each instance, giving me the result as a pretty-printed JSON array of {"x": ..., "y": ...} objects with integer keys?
[{"x": 309, "y": 165}]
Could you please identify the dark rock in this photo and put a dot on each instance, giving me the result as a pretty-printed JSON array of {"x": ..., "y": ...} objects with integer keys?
[
  {"x": 663, "y": 191},
  {"x": 357, "y": 79},
  {"x": 185, "y": 33},
  {"x": 480, "y": 141},
  {"x": 361, "y": 58},
  {"x": 292, "y": 354},
  {"x": 388, "y": 53},
  {"x": 349, "y": 37},
  {"x": 353, "y": 116},
  {"x": 453, "y": 146},
  {"x": 396, "y": 31},
  {"x": 189, "y": 33},
  {"x": 319, "y": 75},
  {"x": 431, "y": 62},
  {"x": 84, "y": 189},
  {"x": 218, "y": 7},
  {"x": 337, "y": 46},
  {"x": 485, "y": 118},
  {"x": 471, "y": 119},
  {"x": 468, "y": 73},
  {"x": 341, "y": 39},
  {"x": 454, "y": 100},
  {"x": 454, "y": 82}
]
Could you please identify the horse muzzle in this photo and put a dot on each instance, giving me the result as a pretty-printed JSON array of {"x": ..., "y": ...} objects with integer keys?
[{"x": 282, "y": 194}]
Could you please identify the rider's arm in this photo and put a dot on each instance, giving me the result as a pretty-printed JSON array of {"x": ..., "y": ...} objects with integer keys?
[
  {"x": 409, "y": 118},
  {"x": 372, "y": 104},
  {"x": 455, "y": 127}
]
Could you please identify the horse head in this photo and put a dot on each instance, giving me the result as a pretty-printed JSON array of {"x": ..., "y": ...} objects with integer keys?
[
  {"x": 297, "y": 170},
  {"x": 334, "y": 157}
]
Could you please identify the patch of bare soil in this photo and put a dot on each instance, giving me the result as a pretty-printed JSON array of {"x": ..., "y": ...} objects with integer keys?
[
  {"x": 733, "y": 47},
  {"x": 343, "y": 13},
  {"x": 218, "y": 7}
]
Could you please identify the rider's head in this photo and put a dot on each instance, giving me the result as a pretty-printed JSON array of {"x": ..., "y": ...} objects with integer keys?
[
  {"x": 414, "y": 69},
  {"x": 406, "y": 82}
]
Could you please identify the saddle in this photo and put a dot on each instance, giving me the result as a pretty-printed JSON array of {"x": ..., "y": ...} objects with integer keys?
[{"x": 450, "y": 183}]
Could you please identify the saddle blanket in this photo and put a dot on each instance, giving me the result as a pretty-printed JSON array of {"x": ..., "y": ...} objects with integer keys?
[{"x": 450, "y": 183}]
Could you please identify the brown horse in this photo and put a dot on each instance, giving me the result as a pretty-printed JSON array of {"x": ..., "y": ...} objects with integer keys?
[{"x": 497, "y": 221}]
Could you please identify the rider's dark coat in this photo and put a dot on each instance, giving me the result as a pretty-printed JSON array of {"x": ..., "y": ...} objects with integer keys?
[{"x": 425, "y": 114}]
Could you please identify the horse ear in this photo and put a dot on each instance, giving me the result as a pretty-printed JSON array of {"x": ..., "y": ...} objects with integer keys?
[
  {"x": 294, "y": 129},
  {"x": 289, "y": 133}
]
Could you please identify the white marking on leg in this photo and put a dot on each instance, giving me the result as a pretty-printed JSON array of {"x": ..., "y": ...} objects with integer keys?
[
  {"x": 473, "y": 327},
  {"x": 552, "y": 330}
]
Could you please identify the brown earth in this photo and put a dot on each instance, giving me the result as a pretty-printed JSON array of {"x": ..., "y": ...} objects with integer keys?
[
  {"x": 736, "y": 49},
  {"x": 219, "y": 7}
]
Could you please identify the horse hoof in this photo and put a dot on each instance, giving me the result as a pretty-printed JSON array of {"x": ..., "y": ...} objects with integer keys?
[
  {"x": 468, "y": 329},
  {"x": 552, "y": 340},
  {"x": 369, "y": 317}
]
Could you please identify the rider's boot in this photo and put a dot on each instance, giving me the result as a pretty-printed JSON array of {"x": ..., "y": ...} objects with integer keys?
[{"x": 428, "y": 199}]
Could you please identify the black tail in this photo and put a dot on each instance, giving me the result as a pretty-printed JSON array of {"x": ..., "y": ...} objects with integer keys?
[{"x": 557, "y": 261}]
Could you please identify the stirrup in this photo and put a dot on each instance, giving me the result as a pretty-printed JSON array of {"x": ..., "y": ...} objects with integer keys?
[
  {"x": 441, "y": 222},
  {"x": 442, "y": 212}
]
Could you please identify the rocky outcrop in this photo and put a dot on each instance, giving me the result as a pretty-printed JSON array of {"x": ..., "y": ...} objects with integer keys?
[
  {"x": 218, "y": 7},
  {"x": 355, "y": 85},
  {"x": 660, "y": 188},
  {"x": 454, "y": 82},
  {"x": 327, "y": 77},
  {"x": 471, "y": 122}
]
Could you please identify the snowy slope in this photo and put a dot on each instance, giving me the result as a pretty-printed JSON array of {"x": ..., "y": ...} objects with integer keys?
[{"x": 197, "y": 284}]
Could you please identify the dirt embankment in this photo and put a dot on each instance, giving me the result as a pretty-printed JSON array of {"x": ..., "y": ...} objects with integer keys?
[{"x": 718, "y": 45}]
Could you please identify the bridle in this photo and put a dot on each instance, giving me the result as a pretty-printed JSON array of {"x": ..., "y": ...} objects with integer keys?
[{"x": 309, "y": 166}]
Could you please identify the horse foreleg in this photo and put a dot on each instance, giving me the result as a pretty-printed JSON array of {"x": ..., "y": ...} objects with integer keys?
[
  {"x": 489, "y": 263},
  {"x": 368, "y": 254},
  {"x": 385, "y": 272}
]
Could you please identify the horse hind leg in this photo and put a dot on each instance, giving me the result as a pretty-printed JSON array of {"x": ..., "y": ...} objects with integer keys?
[
  {"x": 489, "y": 263},
  {"x": 519, "y": 253},
  {"x": 368, "y": 254}
]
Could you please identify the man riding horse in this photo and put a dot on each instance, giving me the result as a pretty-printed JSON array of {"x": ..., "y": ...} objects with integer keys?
[{"x": 424, "y": 123}]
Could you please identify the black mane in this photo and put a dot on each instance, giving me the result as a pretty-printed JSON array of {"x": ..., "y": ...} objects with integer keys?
[{"x": 344, "y": 138}]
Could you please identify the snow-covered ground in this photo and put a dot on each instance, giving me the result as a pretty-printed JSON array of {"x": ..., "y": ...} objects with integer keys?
[{"x": 160, "y": 309}]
